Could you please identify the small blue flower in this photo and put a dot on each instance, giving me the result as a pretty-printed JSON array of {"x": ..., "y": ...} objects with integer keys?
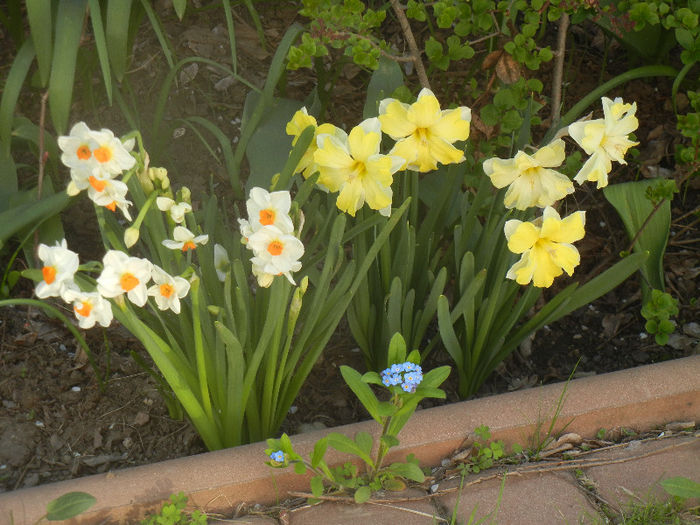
[
  {"x": 409, "y": 387},
  {"x": 277, "y": 456}
]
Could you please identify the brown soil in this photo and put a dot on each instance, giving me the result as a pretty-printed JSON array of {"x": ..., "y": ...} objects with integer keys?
[{"x": 55, "y": 421}]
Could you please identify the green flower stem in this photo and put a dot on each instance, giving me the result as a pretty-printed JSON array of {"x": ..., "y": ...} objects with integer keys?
[
  {"x": 199, "y": 351},
  {"x": 71, "y": 327},
  {"x": 593, "y": 96},
  {"x": 382, "y": 449},
  {"x": 109, "y": 237},
  {"x": 144, "y": 209}
]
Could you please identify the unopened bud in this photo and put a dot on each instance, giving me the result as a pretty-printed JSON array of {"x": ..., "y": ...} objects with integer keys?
[
  {"x": 131, "y": 236},
  {"x": 185, "y": 195},
  {"x": 159, "y": 176}
]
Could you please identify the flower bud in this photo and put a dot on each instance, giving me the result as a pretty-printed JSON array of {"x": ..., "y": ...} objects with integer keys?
[
  {"x": 131, "y": 236},
  {"x": 185, "y": 195},
  {"x": 159, "y": 176}
]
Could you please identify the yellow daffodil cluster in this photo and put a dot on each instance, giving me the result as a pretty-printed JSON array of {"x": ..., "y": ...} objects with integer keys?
[
  {"x": 269, "y": 233},
  {"x": 545, "y": 243},
  {"x": 352, "y": 164}
]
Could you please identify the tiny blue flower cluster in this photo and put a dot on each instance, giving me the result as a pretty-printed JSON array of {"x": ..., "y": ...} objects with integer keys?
[
  {"x": 408, "y": 375},
  {"x": 277, "y": 456}
]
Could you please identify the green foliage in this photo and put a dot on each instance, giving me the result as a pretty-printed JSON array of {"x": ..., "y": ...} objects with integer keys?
[
  {"x": 681, "y": 487},
  {"x": 69, "y": 505},
  {"x": 339, "y": 24},
  {"x": 173, "y": 513},
  {"x": 688, "y": 153},
  {"x": 391, "y": 415},
  {"x": 658, "y": 311},
  {"x": 647, "y": 224},
  {"x": 484, "y": 453}
]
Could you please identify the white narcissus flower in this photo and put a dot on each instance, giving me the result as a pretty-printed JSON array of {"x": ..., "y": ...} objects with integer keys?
[
  {"x": 89, "y": 308},
  {"x": 605, "y": 140},
  {"x": 168, "y": 290},
  {"x": 352, "y": 165},
  {"x": 425, "y": 133},
  {"x": 221, "y": 262},
  {"x": 84, "y": 149},
  {"x": 177, "y": 210},
  {"x": 111, "y": 194},
  {"x": 275, "y": 252},
  {"x": 185, "y": 240},
  {"x": 268, "y": 209},
  {"x": 60, "y": 265},
  {"x": 546, "y": 246},
  {"x": 530, "y": 179},
  {"x": 124, "y": 274}
]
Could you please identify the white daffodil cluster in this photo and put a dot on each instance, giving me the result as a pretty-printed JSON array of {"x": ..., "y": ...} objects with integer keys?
[
  {"x": 269, "y": 233},
  {"x": 121, "y": 275},
  {"x": 96, "y": 159},
  {"x": 545, "y": 243},
  {"x": 351, "y": 163}
]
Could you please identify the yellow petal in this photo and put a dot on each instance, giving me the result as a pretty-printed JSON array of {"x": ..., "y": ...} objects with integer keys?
[
  {"x": 406, "y": 149},
  {"x": 394, "y": 119},
  {"x": 523, "y": 238},
  {"x": 595, "y": 169},
  {"x": 300, "y": 121},
  {"x": 377, "y": 195},
  {"x": 569, "y": 229},
  {"x": 522, "y": 270},
  {"x": 362, "y": 145},
  {"x": 565, "y": 256},
  {"x": 332, "y": 154},
  {"x": 551, "y": 155},
  {"x": 501, "y": 172},
  {"x": 351, "y": 197},
  {"x": 443, "y": 152},
  {"x": 453, "y": 125},
  {"x": 544, "y": 268},
  {"x": 425, "y": 111}
]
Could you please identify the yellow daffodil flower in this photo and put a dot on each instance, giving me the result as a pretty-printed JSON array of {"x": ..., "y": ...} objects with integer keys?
[
  {"x": 425, "y": 133},
  {"x": 352, "y": 165},
  {"x": 300, "y": 121},
  {"x": 605, "y": 140},
  {"x": 529, "y": 178},
  {"x": 545, "y": 245}
]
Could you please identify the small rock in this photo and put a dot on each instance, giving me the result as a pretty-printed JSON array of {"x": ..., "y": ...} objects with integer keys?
[
  {"x": 310, "y": 427},
  {"x": 692, "y": 329},
  {"x": 141, "y": 418},
  {"x": 31, "y": 480},
  {"x": 679, "y": 342}
]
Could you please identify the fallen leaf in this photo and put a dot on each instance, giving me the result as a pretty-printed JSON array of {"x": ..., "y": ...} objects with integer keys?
[{"x": 507, "y": 69}]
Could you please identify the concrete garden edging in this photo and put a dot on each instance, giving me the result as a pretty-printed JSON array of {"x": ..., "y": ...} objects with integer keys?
[{"x": 639, "y": 398}]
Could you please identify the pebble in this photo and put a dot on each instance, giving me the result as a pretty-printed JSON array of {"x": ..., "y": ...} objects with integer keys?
[
  {"x": 75, "y": 389},
  {"x": 692, "y": 329}
]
